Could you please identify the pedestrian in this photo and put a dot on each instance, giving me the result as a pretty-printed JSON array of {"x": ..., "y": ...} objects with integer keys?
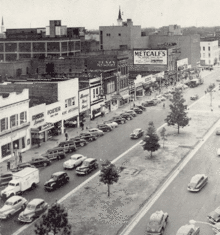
[
  {"x": 133, "y": 104},
  {"x": 8, "y": 165},
  {"x": 163, "y": 105},
  {"x": 20, "y": 158},
  {"x": 82, "y": 125},
  {"x": 66, "y": 135}
]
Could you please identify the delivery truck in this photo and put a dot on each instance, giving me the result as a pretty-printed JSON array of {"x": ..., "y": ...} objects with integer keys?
[{"x": 28, "y": 178}]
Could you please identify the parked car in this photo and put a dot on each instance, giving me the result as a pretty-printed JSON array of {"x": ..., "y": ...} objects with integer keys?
[
  {"x": 168, "y": 95},
  {"x": 137, "y": 133},
  {"x": 126, "y": 116},
  {"x": 70, "y": 124},
  {"x": 157, "y": 223},
  {"x": 161, "y": 98},
  {"x": 156, "y": 100},
  {"x": 217, "y": 131},
  {"x": 137, "y": 110},
  {"x": 111, "y": 124},
  {"x": 149, "y": 103},
  {"x": 67, "y": 147},
  {"x": 119, "y": 120},
  {"x": 141, "y": 107},
  {"x": 216, "y": 228},
  {"x": 5, "y": 178},
  {"x": 21, "y": 166},
  {"x": 214, "y": 216},
  {"x": 188, "y": 229},
  {"x": 79, "y": 141},
  {"x": 104, "y": 127},
  {"x": 40, "y": 161},
  {"x": 74, "y": 161},
  {"x": 131, "y": 112},
  {"x": 88, "y": 165},
  {"x": 58, "y": 152},
  {"x": 56, "y": 180},
  {"x": 88, "y": 136},
  {"x": 197, "y": 182},
  {"x": 12, "y": 205},
  {"x": 35, "y": 208},
  {"x": 96, "y": 132},
  {"x": 194, "y": 97}
]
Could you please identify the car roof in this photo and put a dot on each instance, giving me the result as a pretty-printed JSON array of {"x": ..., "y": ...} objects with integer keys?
[
  {"x": 184, "y": 230},
  {"x": 196, "y": 178},
  {"x": 95, "y": 128},
  {"x": 36, "y": 201},
  {"x": 14, "y": 198},
  {"x": 58, "y": 173},
  {"x": 217, "y": 210},
  {"x": 157, "y": 216},
  {"x": 90, "y": 159},
  {"x": 76, "y": 155},
  {"x": 137, "y": 129}
]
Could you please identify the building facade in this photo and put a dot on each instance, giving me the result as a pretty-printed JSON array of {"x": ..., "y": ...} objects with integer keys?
[
  {"x": 209, "y": 51},
  {"x": 14, "y": 124}
]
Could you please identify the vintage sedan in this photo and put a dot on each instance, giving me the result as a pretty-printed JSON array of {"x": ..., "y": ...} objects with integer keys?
[
  {"x": 149, "y": 103},
  {"x": 137, "y": 133},
  {"x": 119, "y": 120},
  {"x": 40, "y": 161},
  {"x": 21, "y": 166},
  {"x": 88, "y": 136},
  {"x": 132, "y": 112},
  {"x": 34, "y": 209},
  {"x": 88, "y": 165},
  {"x": 161, "y": 98},
  {"x": 214, "y": 216},
  {"x": 12, "y": 205},
  {"x": 74, "y": 161},
  {"x": 111, "y": 124},
  {"x": 141, "y": 107},
  {"x": 56, "y": 180},
  {"x": 104, "y": 127},
  {"x": 194, "y": 97},
  {"x": 79, "y": 141},
  {"x": 197, "y": 182},
  {"x": 157, "y": 223},
  {"x": 96, "y": 131},
  {"x": 127, "y": 116},
  {"x": 137, "y": 110},
  {"x": 188, "y": 229}
]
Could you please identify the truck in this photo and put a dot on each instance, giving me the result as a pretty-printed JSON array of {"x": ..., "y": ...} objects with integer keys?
[
  {"x": 28, "y": 178},
  {"x": 195, "y": 82}
]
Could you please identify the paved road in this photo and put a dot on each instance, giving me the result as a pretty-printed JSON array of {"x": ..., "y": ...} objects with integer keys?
[{"x": 108, "y": 147}]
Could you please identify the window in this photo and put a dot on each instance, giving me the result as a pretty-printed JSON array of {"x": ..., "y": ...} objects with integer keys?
[
  {"x": 203, "y": 48},
  {"x": 203, "y": 55},
  {"x": 4, "y": 124},
  {"x": 111, "y": 87},
  {"x": 97, "y": 91},
  {"x": 70, "y": 102},
  {"x": 209, "y": 48},
  {"x": 93, "y": 93},
  {"x": 209, "y": 54},
  {"x": 23, "y": 117},
  {"x": 14, "y": 120}
]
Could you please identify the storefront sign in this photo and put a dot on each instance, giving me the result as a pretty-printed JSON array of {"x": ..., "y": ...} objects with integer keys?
[
  {"x": 46, "y": 126},
  {"x": 52, "y": 111},
  {"x": 37, "y": 116},
  {"x": 84, "y": 102},
  {"x": 150, "y": 57},
  {"x": 69, "y": 110},
  {"x": 124, "y": 93}
]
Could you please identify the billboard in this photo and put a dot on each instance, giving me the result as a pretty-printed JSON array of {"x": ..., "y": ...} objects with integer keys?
[
  {"x": 101, "y": 63},
  {"x": 150, "y": 57}
]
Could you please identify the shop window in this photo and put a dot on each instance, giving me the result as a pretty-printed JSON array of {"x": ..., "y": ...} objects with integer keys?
[
  {"x": 70, "y": 102},
  {"x": 203, "y": 48},
  {"x": 6, "y": 150},
  {"x": 97, "y": 91},
  {"x": 23, "y": 117},
  {"x": 23, "y": 143},
  {"x": 93, "y": 93},
  {"x": 4, "y": 124},
  {"x": 14, "y": 120},
  {"x": 209, "y": 48}
]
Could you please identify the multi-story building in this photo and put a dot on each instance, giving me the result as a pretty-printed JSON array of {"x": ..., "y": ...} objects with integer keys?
[
  {"x": 170, "y": 30},
  {"x": 54, "y": 40},
  {"x": 209, "y": 51},
  {"x": 14, "y": 123}
]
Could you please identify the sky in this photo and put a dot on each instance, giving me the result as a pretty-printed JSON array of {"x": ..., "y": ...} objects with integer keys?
[{"x": 94, "y": 13}]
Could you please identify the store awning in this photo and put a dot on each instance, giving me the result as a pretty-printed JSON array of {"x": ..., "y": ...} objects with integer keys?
[
  {"x": 125, "y": 96},
  {"x": 117, "y": 97},
  {"x": 45, "y": 127}
]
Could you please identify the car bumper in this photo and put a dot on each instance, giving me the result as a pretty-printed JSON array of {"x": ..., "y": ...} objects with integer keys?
[
  {"x": 68, "y": 167},
  {"x": 2, "y": 216},
  {"x": 212, "y": 221},
  {"x": 192, "y": 190},
  {"x": 134, "y": 137},
  {"x": 81, "y": 173},
  {"x": 25, "y": 220}
]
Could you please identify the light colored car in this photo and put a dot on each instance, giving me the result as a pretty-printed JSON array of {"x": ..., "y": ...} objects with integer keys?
[
  {"x": 74, "y": 161},
  {"x": 218, "y": 151},
  {"x": 185, "y": 86},
  {"x": 188, "y": 229},
  {"x": 111, "y": 124},
  {"x": 214, "y": 216},
  {"x": 12, "y": 205},
  {"x": 197, "y": 182},
  {"x": 34, "y": 209},
  {"x": 217, "y": 131},
  {"x": 137, "y": 133},
  {"x": 96, "y": 132},
  {"x": 161, "y": 98}
]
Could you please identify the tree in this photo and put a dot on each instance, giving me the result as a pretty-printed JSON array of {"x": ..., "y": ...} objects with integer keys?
[
  {"x": 54, "y": 221},
  {"x": 151, "y": 140},
  {"x": 109, "y": 174},
  {"x": 178, "y": 115},
  {"x": 163, "y": 135}
]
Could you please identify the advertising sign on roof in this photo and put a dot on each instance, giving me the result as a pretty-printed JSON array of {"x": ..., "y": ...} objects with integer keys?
[
  {"x": 104, "y": 63},
  {"x": 150, "y": 57}
]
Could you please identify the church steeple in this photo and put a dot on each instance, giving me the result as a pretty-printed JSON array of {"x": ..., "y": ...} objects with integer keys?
[{"x": 119, "y": 20}]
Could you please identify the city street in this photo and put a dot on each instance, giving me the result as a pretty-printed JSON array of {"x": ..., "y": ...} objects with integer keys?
[{"x": 115, "y": 143}]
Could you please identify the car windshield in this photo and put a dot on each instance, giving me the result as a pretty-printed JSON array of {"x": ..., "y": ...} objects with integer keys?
[
  {"x": 9, "y": 203},
  {"x": 30, "y": 207},
  {"x": 74, "y": 157},
  {"x": 136, "y": 131},
  {"x": 85, "y": 163},
  {"x": 11, "y": 184},
  {"x": 54, "y": 177}
]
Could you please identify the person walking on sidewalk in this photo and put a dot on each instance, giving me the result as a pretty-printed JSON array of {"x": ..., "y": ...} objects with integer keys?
[
  {"x": 8, "y": 165},
  {"x": 164, "y": 105},
  {"x": 20, "y": 158},
  {"x": 66, "y": 135},
  {"x": 82, "y": 125}
]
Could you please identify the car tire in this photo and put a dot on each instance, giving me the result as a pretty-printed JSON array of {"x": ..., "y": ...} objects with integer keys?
[
  {"x": 58, "y": 156},
  {"x": 67, "y": 180},
  {"x": 129, "y": 119},
  {"x": 90, "y": 139},
  {"x": 33, "y": 186},
  {"x": 45, "y": 164},
  {"x": 82, "y": 144},
  {"x": 122, "y": 122}
]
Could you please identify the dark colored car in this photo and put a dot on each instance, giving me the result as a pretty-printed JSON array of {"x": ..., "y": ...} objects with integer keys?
[
  {"x": 194, "y": 97},
  {"x": 119, "y": 120},
  {"x": 70, "y": 124},
  {"x": 79, "y": 141},
  {"x": 68, "y": 146},
  {"x": 88, "y": 165},
  {"x": 35, "y": 208},
  {"x": 137, "y": 133},
  {"x": 40, "y": 161},
  {"x": 214, "y": 216},
  {"x": 5, "y": 178},
  {"x": 104, "y": 127},
  {"x": 22, "y": 166},
  {"x": 56, "y": 153},
  {"x": 88, "y": 136},
  {"x": 131, "y": 112},
  {"x": 197, "y": 182},
  {"x": 157, "y": 223},
  {"x": 127, "y": 116},
  {"x": 137, "y": 110},
  {"x": 57, "y": 180},
  {"x": 141, "y": 107},
  {"x": 149, "y": 103}
]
